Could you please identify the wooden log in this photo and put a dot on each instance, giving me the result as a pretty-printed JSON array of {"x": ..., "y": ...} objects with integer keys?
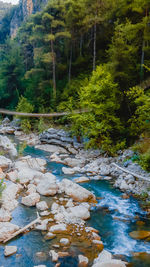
[
  {"x": 132, "y": 173},
  {"x": 23, "y": 229},
  {"x": 39, "y": 115}
]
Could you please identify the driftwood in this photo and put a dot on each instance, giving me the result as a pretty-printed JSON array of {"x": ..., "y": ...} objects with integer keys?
[
  {"x": 132, "y": 173},
  {"x": 39, "y": 115},
  {"x": 23, "y": 229}
]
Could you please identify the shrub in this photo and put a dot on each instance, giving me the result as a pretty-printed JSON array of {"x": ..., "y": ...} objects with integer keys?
[
  {"x": 25, "y": 106},
  {"x": 2, "y": 186},
  {"x": 145, "y": 160},
  {"x": 101, "y": 125}
]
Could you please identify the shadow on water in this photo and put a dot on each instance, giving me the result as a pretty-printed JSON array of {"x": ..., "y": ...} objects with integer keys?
[{"x": 113, "y": 216}]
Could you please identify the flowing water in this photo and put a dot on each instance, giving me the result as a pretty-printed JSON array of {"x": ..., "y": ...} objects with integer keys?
[{"x": 113, "y": 216}]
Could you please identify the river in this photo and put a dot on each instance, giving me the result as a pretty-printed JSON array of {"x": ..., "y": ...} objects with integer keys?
[{"x": 113, "y": 216}]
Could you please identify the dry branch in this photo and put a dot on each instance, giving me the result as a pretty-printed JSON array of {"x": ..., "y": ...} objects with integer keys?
[
  {"x": 132, "y": 173},
  {"x": 23, "y": 229}
]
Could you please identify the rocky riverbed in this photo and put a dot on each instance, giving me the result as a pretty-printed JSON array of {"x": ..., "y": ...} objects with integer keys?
[{"x": 63, "y": 218}]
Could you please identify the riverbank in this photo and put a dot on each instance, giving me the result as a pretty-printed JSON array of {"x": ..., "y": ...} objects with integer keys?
[{"x": 66, "y": 207}]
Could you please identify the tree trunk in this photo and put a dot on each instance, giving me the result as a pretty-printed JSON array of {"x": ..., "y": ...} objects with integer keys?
[
  {"x": 94, "y": 48},
  {"x": 54, "y": 69},
  {"x": 81, "y": 44},
  {"x": 142, "y": 62},
  {"x": 70, "y": 63}
]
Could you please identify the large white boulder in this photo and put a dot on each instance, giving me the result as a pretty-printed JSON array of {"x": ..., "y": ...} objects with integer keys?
[
  {"x": 8, "y": 145},
  {"x": 6, "y": 229},
  {"x": 42, "y": 205},
  {"x": 75, "y": 191},
  {"x": 4, "y": 162},
  {"x": 72, "y": 162},
  {"x": 68, "y": 171},
  {"x": 9, "y": 196},
  {"x": 5, "y": 215},
  {"x": 26, "y": 175},
  {"x": 105, "y": 260},
  {"x": 47, "y": 185},
  {"x": 83, "y": 261},
  {"x": 58, "y": 228},
  {"x": 80, "y": 211},
  {"x": 31, "y": 200},
  {"x": 10, "y": 250},
  {"x": 37, "y": 164}
]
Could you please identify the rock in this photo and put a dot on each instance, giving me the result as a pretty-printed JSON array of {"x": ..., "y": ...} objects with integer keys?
[
  {"x": 4, "y": 162},
  {"x": 9, "y": 196},
  {"x": 82, "y": 180},
  {"x": 42, "y": 205},
  {"x": 47, "y": 186},
  {"x": 80, "y": 211},
  {"x": 5, "y": 215},
  {"x": 41, "y": 255},
  {"x": 26, "y": 175},
  {"x": 63, "y": 254},
  {"x": 140, "y": 234},
  {"x": 95, "y": 236},
  {"x": 31, "y": 189},
  {"x": 75, "y": 191},
  {"x": 54, "y": 208},
  {"x": 72, "y": 162},
  {"x": 104, "y": 169},
  {"x": 51, "y": 148},
  {"x": 6, "y": 229},
  {"x": 130, "y": 179},
  {"x": 58, "y": 228},
  {"x": 104, "y": 256},
  {"x": 83, "y": 261},
  {"x": 7, "y": 145},
  {"x": 68, "y": 171},
  {"x": 12, "y": 176},
  {"x": 124, "y": 185},
  {"x": 28, "y": 162},
  {"x": 40, "y": 266},
  {"x": 69, "y": 204},
  {"x": 43, "y": 225},
  {"x": 54, "y": 255},
  {"x": 10, "y": 250},
  {"x": 45, "y": 213},
  {"x": 2, "y": 174},
  {"x": 64, "y": 241},
  {"x": 31, "y": 200},
  {"x": 5, "y": 121},
  {"x": 111, "y": 263},
  {"x": 50, "y": 236}
]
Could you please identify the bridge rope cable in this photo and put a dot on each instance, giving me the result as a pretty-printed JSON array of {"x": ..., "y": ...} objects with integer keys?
[{"x": 46, "y": 115}]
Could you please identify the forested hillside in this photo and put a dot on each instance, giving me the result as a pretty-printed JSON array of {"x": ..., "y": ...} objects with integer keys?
[
  {"x": 83, "y": 54},
  {"x": 3, "y": 9}
]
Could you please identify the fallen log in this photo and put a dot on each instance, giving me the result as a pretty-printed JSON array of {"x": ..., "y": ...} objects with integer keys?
[
  {"x": 39, "y": 115},
  {"x": 23, "y": 229},
  {"x": 132, "y": 173}
]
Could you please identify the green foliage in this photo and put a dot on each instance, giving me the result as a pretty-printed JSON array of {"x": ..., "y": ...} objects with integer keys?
[
  {"x": 48, "y": 65},
  {"x": 21, "y": 148},
  {"x": 140, "y": 121},
  {"x": 145, "y": 161},
  {"x": 25, "y": 106},
  {"x": 2, "y": 186},
  {"x": 100, "y": 124}
]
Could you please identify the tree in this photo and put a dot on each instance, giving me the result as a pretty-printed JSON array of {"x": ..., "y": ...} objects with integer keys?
[{"x": 101, "y": 124}]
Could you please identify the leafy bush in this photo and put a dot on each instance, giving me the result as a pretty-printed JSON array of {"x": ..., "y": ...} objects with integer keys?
[
  {"x": 2, "y": 186},
  {"x": 100, "y": 125},
  {"x": 145, "y": 160},
  {"x": 25, "y": 106}
]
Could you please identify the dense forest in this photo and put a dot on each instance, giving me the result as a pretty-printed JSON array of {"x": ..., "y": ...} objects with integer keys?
[
  {"x": 3, "y": 9},
  {"x": 92, "y": 54}
]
